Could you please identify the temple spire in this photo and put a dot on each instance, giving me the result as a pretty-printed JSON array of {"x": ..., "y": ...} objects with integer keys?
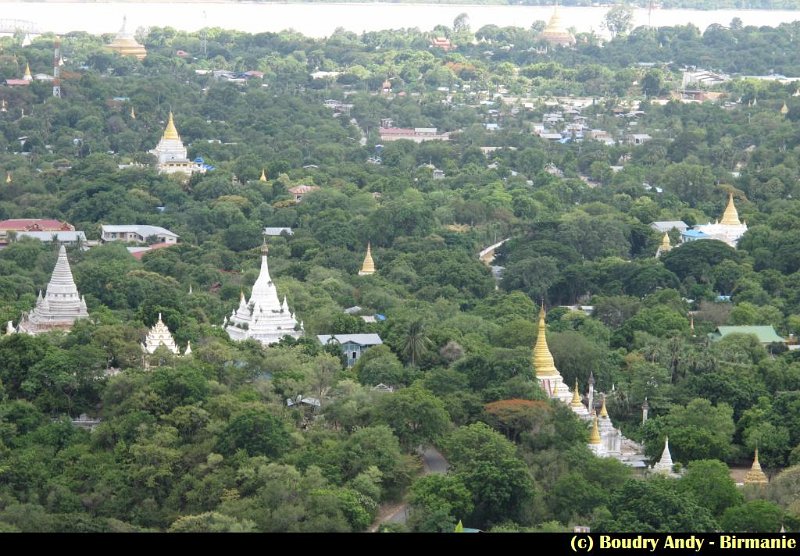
[
  {"x": 27, "y": 76},
  {"x": 664, "y": 465},
  {"x": 133, "y": 113},
  {"x": 368, "y": 267},
  {"x": 731, "y": 216},
  {"x": 784, "y": 108},
  {"x": 603, "y": 410},
  {"x": 756, "y": 475},
  {"x": 543, "y": 363},
  {"x": 263, "y": 175},
  {"x": 171, "y": 132},
  {"x": 576, "y": 397},
  {"x": 594, "y": 436}
]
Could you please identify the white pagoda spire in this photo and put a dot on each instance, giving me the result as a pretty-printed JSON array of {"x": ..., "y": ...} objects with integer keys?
[
  {"x": 664, "y": 465},
  {"x": 61, "y": 305},
  {"x": 263, "y": 317},
  {"x": 159, "y": 335}
]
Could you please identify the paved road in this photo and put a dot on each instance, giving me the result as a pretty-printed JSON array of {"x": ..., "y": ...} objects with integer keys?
[{"x": 432, "y": 462}]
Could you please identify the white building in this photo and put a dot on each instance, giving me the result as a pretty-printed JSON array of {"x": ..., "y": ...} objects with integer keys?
[
  {"x": 262, "y": 317},
  {"x": 138, "y": 233},
  {"x": 172, "y": 155}
]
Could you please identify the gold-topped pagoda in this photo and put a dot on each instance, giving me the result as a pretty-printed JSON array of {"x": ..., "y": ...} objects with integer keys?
[
  {"x": 27, "y": 76},
  {"x": 665, "y": 246},
  {"x": 594, "y": 437},
  {"x": 603, "y": 410},
  {"x": 555, "y": 33},
  {"x": 172, "y": 156},
  {"x": 125, "y": 45},
  {"x": 784, "y": 108},
  {"x": 263, "y": 175},
  {"x": 171, "y": 132},
  {"x": 368, "y": 267},
  {"x": 756, "y": 475},
  {"x": 731, "y": 215}
]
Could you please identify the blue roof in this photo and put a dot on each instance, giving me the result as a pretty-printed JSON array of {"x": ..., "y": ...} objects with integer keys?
[
  {"x": 694, "y": 233},
  {"x": 378, "y": 316}
]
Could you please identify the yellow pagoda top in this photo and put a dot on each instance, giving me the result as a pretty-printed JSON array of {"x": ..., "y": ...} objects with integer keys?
[
  {"x": 576, "y": 396},
  {"x": 731, "y": 215},
  {"x": 784, "y": 108},
  {"x": 665, "y": 244},
  {"x": 126, "y": 45},
  {"x": 369, "y": 265},
  {"x": 8, "y": 177},
  {"x": 27, "y": 76},
  {"x": 543, "y": 363},
  {"x": 133, "y": 113},
  {"x": 594, "y": 436},
  {"x": 171, "y": 132},
  {"x": 263, "y": 176},
  {"x": 756, "y": 475},
  {"x": 555, "y": 33},
  {"x": 603, "y": 410}
]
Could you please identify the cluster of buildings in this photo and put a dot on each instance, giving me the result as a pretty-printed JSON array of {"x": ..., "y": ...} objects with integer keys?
[{"x": 728, "y": 230}]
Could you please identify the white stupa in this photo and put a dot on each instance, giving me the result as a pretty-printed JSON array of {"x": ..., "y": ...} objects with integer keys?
[
  {"x": 159, "y": 335},
  {"x": 61, "y": 305},
  {"x": 263, "y": 317}
]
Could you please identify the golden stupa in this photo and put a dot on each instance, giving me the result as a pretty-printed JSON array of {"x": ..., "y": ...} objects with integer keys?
[
  {"x": 543, "y": 363},
  {"x": 784, "y": 109},
  {"x": 369, "y": 265},
  {"x": 171, "y": 132},
  {"x": 555, "y": 33},
  {"x": 603, "y": 410},
  {"x": 594, "y": 437},
  {"x": 731, "y": 215},
  {"x": 27, "y": 76},
  {"x": 756, "y": 475},
  {"x": 125, "y": 45},
  {"x": 576, "y": 397},
  {"x": 263, "y": 175}
]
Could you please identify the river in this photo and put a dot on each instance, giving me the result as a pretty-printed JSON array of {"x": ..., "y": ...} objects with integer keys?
[{"x": 320, "y": 20}]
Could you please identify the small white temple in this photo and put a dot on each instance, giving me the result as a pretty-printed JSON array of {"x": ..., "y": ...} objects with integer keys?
[
  {"x": 159, "y": 335},
  {"x": 664, "y": 465},
  {"x": 729, "y": 230},
  {"x": 605, "y": 440},
  {"x": 172, "y": 155},
  {"x": 61, "y": 305},
  {"x": 263, "y": 317}
]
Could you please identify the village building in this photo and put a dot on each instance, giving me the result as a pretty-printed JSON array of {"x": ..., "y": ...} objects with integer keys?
[
  {"x": 139, "y": 233},
  {"x": 352, "y": 345}
]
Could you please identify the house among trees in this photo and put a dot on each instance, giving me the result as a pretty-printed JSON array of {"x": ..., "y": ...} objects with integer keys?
[
  {"x": 139, "y": 233},
  {"x": 765, "y": 333},
  {"x": 352, "y": 345},
  {"x": 17, "y": 225}
]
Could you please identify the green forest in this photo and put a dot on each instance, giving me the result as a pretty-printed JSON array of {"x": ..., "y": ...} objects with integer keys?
[{"x": 208, "y": 442}]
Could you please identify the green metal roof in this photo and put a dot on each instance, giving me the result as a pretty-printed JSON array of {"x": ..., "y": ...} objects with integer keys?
[{"x": 765, "y": 334}]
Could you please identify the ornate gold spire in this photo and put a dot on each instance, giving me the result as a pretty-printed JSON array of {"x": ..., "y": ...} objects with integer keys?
[
  {"x": 784, "y": 108},
  {"x": 603, "y": 410},
  {"x": 369, "y": 265},
  {"x": 594, "y": 437},
  {"x": 543, "y": 363},
  {"x": 133, "y": 113},
  {"x": 756, "y": 475},
  {"x": 731, "y": 216},
  {"x": 27, "y": 76},
  {"x": 576, "y": 396},
  {"x": 170, "y": 132},
  {"x": 263, "y": 175},
  {"x": 665, "y": 243},
  {"x": 8, "y": 177}
]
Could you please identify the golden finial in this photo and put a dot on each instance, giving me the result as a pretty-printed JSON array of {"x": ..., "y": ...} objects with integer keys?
[
  {"x": 8, "y": 177},
  {"x": 756, "y": 475},
  {"x": 263, "y": 175},
  {"x": 133, "y": 113},
  {"x": 369, "y": 265},
  {"x": 784, "y": 108},
  {"x": 731, "y": 216},
  {"x": 603, "y": 410},
  {"x": 543, "y": 363},
  {"x": 576, "y": 397},
  {"x": 170, "y": 132},
  {"x": 594, "y": 437},
  {"x": 27, "y": 76}
]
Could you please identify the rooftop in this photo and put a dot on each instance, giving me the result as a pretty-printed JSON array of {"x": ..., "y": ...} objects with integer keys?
[{"x": 361, "y": 339}]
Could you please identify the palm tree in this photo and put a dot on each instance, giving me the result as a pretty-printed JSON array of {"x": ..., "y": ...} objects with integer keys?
[{"x": 416, "y": 342}]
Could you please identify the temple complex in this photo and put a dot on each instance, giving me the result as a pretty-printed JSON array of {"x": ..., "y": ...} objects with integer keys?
[
  {"x": 61, "y": 305},
  {"x": 727, "y": 230},
  {"x": 125, "y": 45},
  {"x": 605, "y": 440},
  {"x": 262, "y": 317},
  {"x": 368, "y": 267},
  {"x": 172, "y": 155},
  {"x": 555, "y": 33}
]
